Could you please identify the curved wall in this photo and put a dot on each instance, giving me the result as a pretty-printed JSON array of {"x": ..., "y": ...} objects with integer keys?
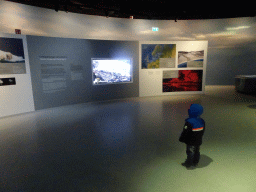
[{"x": 231, "y": 42}]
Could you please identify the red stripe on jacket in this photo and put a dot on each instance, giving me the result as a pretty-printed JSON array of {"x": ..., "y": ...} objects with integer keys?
[{"x": 198, "y": 129}]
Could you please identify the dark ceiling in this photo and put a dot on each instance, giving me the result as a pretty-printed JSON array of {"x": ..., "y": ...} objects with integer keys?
[{"x": 148, "y": 9}]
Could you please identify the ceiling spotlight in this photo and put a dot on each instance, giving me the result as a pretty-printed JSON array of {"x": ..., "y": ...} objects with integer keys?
[
  {"x": 57, "y": 6},
  {"x": 66, "y": 8},
  {"x": 108, "y": 13}
]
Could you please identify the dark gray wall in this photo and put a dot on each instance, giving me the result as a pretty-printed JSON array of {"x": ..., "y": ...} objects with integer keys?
[
  {"x": 223, "y": 64},
  {"x": 80, "y": 51}
]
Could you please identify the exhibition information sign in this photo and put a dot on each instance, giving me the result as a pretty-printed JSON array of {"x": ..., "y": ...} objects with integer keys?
[{"x": 53, "y": 73}]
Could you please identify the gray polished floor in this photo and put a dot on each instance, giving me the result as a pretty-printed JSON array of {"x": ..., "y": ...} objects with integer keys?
[{"x": 131, "y": 145}]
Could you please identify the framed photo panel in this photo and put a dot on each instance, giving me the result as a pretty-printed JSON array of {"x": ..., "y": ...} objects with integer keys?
[{"x": 155, "y": 56}]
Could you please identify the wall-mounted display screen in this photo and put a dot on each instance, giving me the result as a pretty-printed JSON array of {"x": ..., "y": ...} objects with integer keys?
[{"x": 111, "y": 71}]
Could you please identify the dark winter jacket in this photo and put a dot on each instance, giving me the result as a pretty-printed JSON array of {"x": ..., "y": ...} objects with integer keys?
[{"x": 194, "y": 127}]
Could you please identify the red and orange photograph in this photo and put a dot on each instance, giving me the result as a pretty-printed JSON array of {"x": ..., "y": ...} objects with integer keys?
[{"x": 188, "y": 80}]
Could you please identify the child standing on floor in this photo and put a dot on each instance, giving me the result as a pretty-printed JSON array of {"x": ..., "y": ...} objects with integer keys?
[{"x": 192, "y": 135}]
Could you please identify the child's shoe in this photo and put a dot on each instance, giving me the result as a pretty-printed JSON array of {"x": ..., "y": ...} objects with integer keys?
[{"x": 189, "y": 165}]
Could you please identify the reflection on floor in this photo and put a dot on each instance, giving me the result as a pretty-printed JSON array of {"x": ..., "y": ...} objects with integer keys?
[{"x": 131, "y": 145}]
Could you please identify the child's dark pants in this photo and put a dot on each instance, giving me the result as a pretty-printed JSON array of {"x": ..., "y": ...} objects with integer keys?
[{"x": 193, "y": 155}]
